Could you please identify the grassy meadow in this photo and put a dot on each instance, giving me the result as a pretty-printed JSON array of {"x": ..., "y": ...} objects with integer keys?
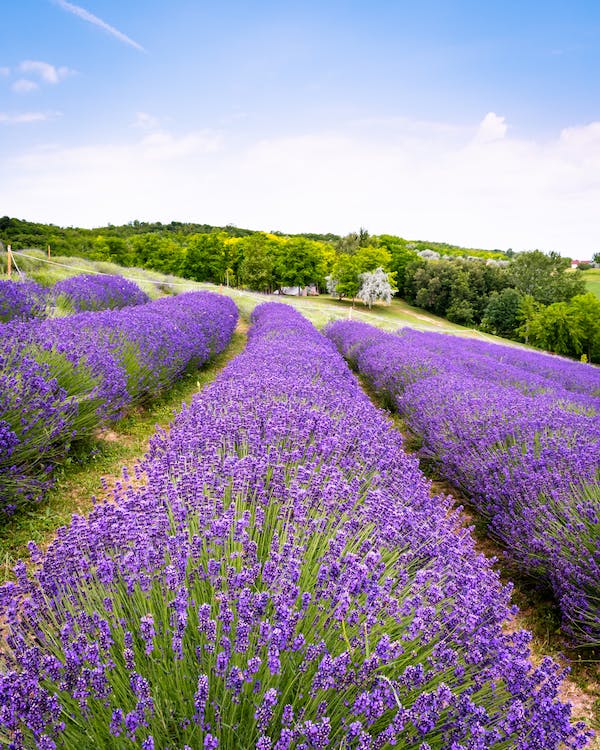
[{"x": 592, "y": 281}]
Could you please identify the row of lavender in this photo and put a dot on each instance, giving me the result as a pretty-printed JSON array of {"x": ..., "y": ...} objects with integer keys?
[
  {"x": 62, "y": 378},
  {"x": 277, "y": 576},
  {"x": 518, "y": 432},
  {"x": 25, "y": 300}
]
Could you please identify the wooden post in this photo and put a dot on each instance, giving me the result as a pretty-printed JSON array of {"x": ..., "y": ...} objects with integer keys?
[
  {"x": 9, "y": 261},
  {"x": 48, "y": 250}
]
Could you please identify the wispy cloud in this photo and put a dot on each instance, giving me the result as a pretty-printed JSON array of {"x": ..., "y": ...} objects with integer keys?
[
  {"x": 45, "y": 71},
  {"x": 24, "y": 86},
  {"x": 4, "y": 72},
  {"x": 91, "y": 18},
  {"x": 146, "y": 121},
  {"x": 27, "y": 117}
]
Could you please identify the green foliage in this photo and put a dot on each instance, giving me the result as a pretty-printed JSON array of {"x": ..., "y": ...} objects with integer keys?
[
  {"x": 461, "y": 312},
  {"x": 113, "y": 249},
  {"x": 257, "y": 270},
  {"x": 401, "y": 256},
  {"x": 159, "y": 253},
  {"x": 300, "y": 262},
  {"x": 459, "y": 290},
  {"x": 204, "y": 258},
  {"x": 570, "y": 328},
  {"x": 545, "y": 277},
  {"x": 346, "y": 273},
  {"x": 502, "y": 313},
  {"x": 370, "y": 257}
]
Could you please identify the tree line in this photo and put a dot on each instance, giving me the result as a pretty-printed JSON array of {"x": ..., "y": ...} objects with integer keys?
[{"x": 536, "y": 298}]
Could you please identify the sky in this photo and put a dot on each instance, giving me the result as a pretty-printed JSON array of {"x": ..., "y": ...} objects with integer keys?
[{"x": 472, "y": 123}]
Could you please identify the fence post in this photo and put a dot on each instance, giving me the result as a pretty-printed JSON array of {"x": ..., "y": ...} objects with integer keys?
[
  {"x": 9, "y": 260},
  {"x": 48, "y": 250}
]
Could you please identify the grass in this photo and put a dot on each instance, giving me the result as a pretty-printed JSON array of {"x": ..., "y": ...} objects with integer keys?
[
  {"x": 35, "y": 265},
  {"x": 592, "y": 281},
  {"x": 99, "y": 463}
]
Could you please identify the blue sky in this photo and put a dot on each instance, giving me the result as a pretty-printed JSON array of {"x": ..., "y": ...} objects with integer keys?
[{"x": 467, "y": 122}]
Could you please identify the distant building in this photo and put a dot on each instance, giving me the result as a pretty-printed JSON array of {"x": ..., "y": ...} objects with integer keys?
[{"x": 300, "y": 291}]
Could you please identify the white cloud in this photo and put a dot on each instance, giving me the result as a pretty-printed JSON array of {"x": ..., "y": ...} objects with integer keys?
[
  {"x": 45, "y": 71},
  {"x": 4, "y": 72},
  {"x": 491, "y": 128},
  {"x": 94, "y": 20},
  {"x": 428, "y": 182},
  {"x": 26, "y": 117},
  {"x": 24, "y": 86}
]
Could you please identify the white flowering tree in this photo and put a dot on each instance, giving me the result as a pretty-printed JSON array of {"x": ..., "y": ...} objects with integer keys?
[
  {"x": 332, "y": 284},
  {"x": 375, "y": 286}
]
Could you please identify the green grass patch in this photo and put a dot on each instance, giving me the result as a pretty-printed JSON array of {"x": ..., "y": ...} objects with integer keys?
[{"x": 592, "y": 281}]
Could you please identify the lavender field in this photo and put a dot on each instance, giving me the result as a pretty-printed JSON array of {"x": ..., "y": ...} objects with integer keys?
[
  {"x": 518, "y": 432},
  {"x": 276, "y": 575},
  {"x": 63, "y": 378},
  {"x": 26, "y": 300}
]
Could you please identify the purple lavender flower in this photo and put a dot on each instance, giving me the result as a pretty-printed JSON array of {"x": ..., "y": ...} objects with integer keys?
[
  {"x": 321, "y": 526},
  {"x": 21, "y": 300},
  {"x": 98, "y": 292}
]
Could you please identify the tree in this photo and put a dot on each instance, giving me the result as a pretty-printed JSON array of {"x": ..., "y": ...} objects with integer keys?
[
  {"x": 113, "y": 249},
  {"x": 371, "y": 257},
  {"x": 502, "y": 313},
  {"x": 374, "y": 286},
  {"x": 257, "y": 269},
  {"x": 350, "y": 244},
  {"x": 461, "y": 312},
  {"x": 557, "y": 329},
  {"x": 596, "y": 258},
  {"x": 344, "y": 279},
  {"x": 546, "y": 278},
  {"x": 150, "y": 250},
  {"x": 586, "y": 311},
  {"x": 402, "y": 254},
  {"x": 204, "y": 258},
  {"x": 300, "y": 262}
]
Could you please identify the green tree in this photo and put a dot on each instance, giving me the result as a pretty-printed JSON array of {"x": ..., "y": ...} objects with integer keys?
[
  {"x": 586, "y": 310},
  {"x": 300, "y": 262},
  {"x": 557, "y": 329},
  {"x": 402, "y": 254},
  {"x": 545, "y": 277},
  {"x": 345, "y": 277},
  {"x": 113, "y": 249},
  {"x": 370, "y": 257},
  {"x": 503, "y": 312},
  {"x": 257, "y": 268},
  {"x": 205, "y": 258},
  {"x": 151, "y": 250}
]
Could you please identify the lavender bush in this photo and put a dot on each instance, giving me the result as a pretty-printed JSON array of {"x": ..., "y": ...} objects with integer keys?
[
  {"x": 519, "y": 433},
  {"x": 277, "y": 575},
  {"x": 62, "y": 378},
  {"x": 97, "y": 292},
  {"x": 21, "y": 300}
]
